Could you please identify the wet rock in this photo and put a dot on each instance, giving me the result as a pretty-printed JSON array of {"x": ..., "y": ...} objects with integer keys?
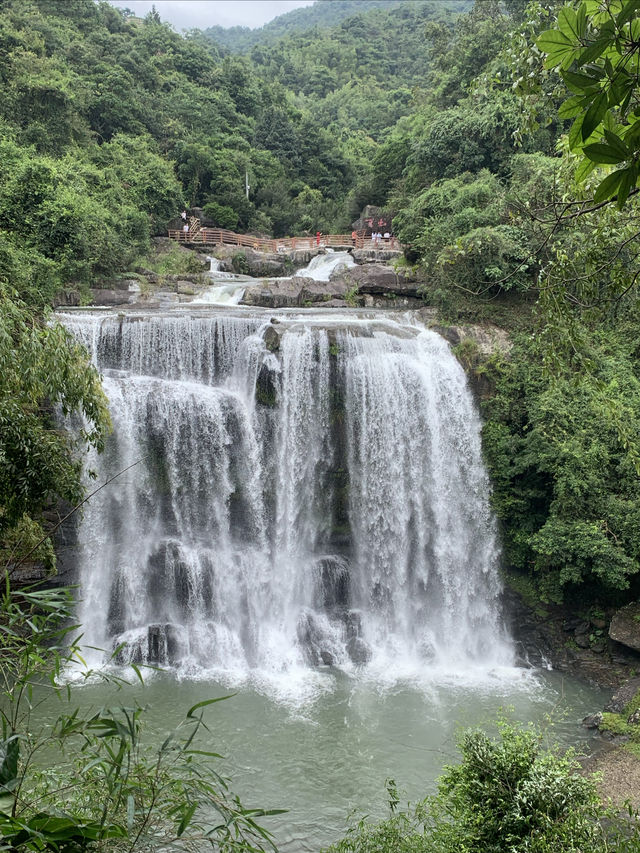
[
  {"x": 67, "y": 298},
  {"x": 390, "y": 300},
  {"x": 582, "y": 641},
  {"x": 312, "y": 639},
  {"x": 625, "y": 626},
  {"x": 368, "y": 255},
  {"x": 336, "y": 303},
  {"x": 163, "y": 643},
  {"x": 427, "y": 649},
  {"x": 359, "y": 651},
  {"x": 271, "y": 338},
  {"x": 303, "y": 257},
  {"x": 486, "y": 339},
  {"x": 327, "y": 658},
  {"x": 274, "y": 294},
  {"x": 295, "y": 292},
  {"x": 379, "y": 279},
  {"x": 107, "y": 296},
  {"x": 599, "y": 646},
  {"x": 262, "y": 264},
  {"x": 623, "y": 696},
  {"x": 592, "y": 721},
  {"x": 352, "y": 621},
  {"x": 332, "y": 582},
  {"x": 266, "y": 386},
  {"x": 634, "y": 719}
]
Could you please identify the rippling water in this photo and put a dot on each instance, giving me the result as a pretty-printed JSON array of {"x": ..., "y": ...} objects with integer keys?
[{"x": 327, "y": 754}]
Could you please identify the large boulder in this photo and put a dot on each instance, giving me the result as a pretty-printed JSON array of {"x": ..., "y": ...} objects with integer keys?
[
  {"x": 370, "y": 255},
  {"x": 293, "y": 292},
  {"x": 485, "y": 340},
  {"x": 115, "y": 296},
  {"x": 625, "y": 626},
  {"x": 378, "y": 279},
  {"x": 261, "y": 264}
]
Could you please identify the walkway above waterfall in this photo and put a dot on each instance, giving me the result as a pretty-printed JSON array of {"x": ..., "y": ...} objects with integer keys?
[{"x": 219, "y": 236}]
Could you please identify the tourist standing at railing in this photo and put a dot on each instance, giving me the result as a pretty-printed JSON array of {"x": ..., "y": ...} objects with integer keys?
[{"x": 318, "y": 235}]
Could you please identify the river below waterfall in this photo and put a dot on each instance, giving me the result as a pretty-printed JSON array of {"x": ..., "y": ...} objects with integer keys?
[
  {"x": 329, "y": 755},
  {"x": 302, "y": 517}
]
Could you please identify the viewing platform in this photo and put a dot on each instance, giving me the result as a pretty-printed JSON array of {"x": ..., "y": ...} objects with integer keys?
[{"x": 219, "y": 236}]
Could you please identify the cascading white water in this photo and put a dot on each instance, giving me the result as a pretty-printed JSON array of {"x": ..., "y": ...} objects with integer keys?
[
  {"x": 322, "y": 266},
  {"x": 308, "y": 490},
  {"x": 226, "y": 288}
]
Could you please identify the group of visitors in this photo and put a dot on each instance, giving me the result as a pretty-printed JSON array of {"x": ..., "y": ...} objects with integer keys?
[{"x": 377, "y": 237}]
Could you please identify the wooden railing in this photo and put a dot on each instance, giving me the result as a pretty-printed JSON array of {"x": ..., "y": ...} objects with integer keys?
[{"x": 217, "y": 236}]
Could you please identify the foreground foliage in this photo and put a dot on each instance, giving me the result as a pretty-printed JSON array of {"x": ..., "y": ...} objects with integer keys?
[
  {"x": 89, "y": 780},
  {"x": 595, "y": 46},
  {"x": 509, "y": 794}
]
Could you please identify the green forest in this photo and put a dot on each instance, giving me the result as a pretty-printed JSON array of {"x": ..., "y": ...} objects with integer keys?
[{"x": 504, "y": 139}]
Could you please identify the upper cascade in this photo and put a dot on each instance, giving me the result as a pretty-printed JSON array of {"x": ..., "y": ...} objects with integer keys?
[
  {"x": 322, "y": 266},
  {"x": 306, "y": 490}
]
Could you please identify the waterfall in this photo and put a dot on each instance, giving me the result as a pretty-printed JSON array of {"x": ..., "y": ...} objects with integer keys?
[
  {"x": 322, "y": 266},
  {"x": 307, "y": 490}
]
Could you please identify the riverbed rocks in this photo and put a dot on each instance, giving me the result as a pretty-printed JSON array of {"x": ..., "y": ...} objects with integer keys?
[
  {"x": 622, "y": 696},
  {"x": 593, "y": 721},
  {"x": 546, "y": 636}
]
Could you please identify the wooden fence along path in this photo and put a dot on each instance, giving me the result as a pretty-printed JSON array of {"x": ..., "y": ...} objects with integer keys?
[{"x": 217, "y": 236}]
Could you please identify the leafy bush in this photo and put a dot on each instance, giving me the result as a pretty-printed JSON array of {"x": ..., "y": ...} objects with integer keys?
[
  {"x": 487, "y": 259},
  {"x": 222, "y": 215}
]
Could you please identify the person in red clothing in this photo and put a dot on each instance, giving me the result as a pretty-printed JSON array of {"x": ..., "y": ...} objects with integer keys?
[{"x": 318, "y": 235}]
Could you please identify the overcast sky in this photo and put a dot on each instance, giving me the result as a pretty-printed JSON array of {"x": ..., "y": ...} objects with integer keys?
[{"x": 185, "y": 14}]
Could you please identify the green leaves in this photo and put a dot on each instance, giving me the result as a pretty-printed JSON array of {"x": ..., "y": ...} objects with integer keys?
[
  {"x": 595, "y": 53},
  {"x": 563, "y": 45}
]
